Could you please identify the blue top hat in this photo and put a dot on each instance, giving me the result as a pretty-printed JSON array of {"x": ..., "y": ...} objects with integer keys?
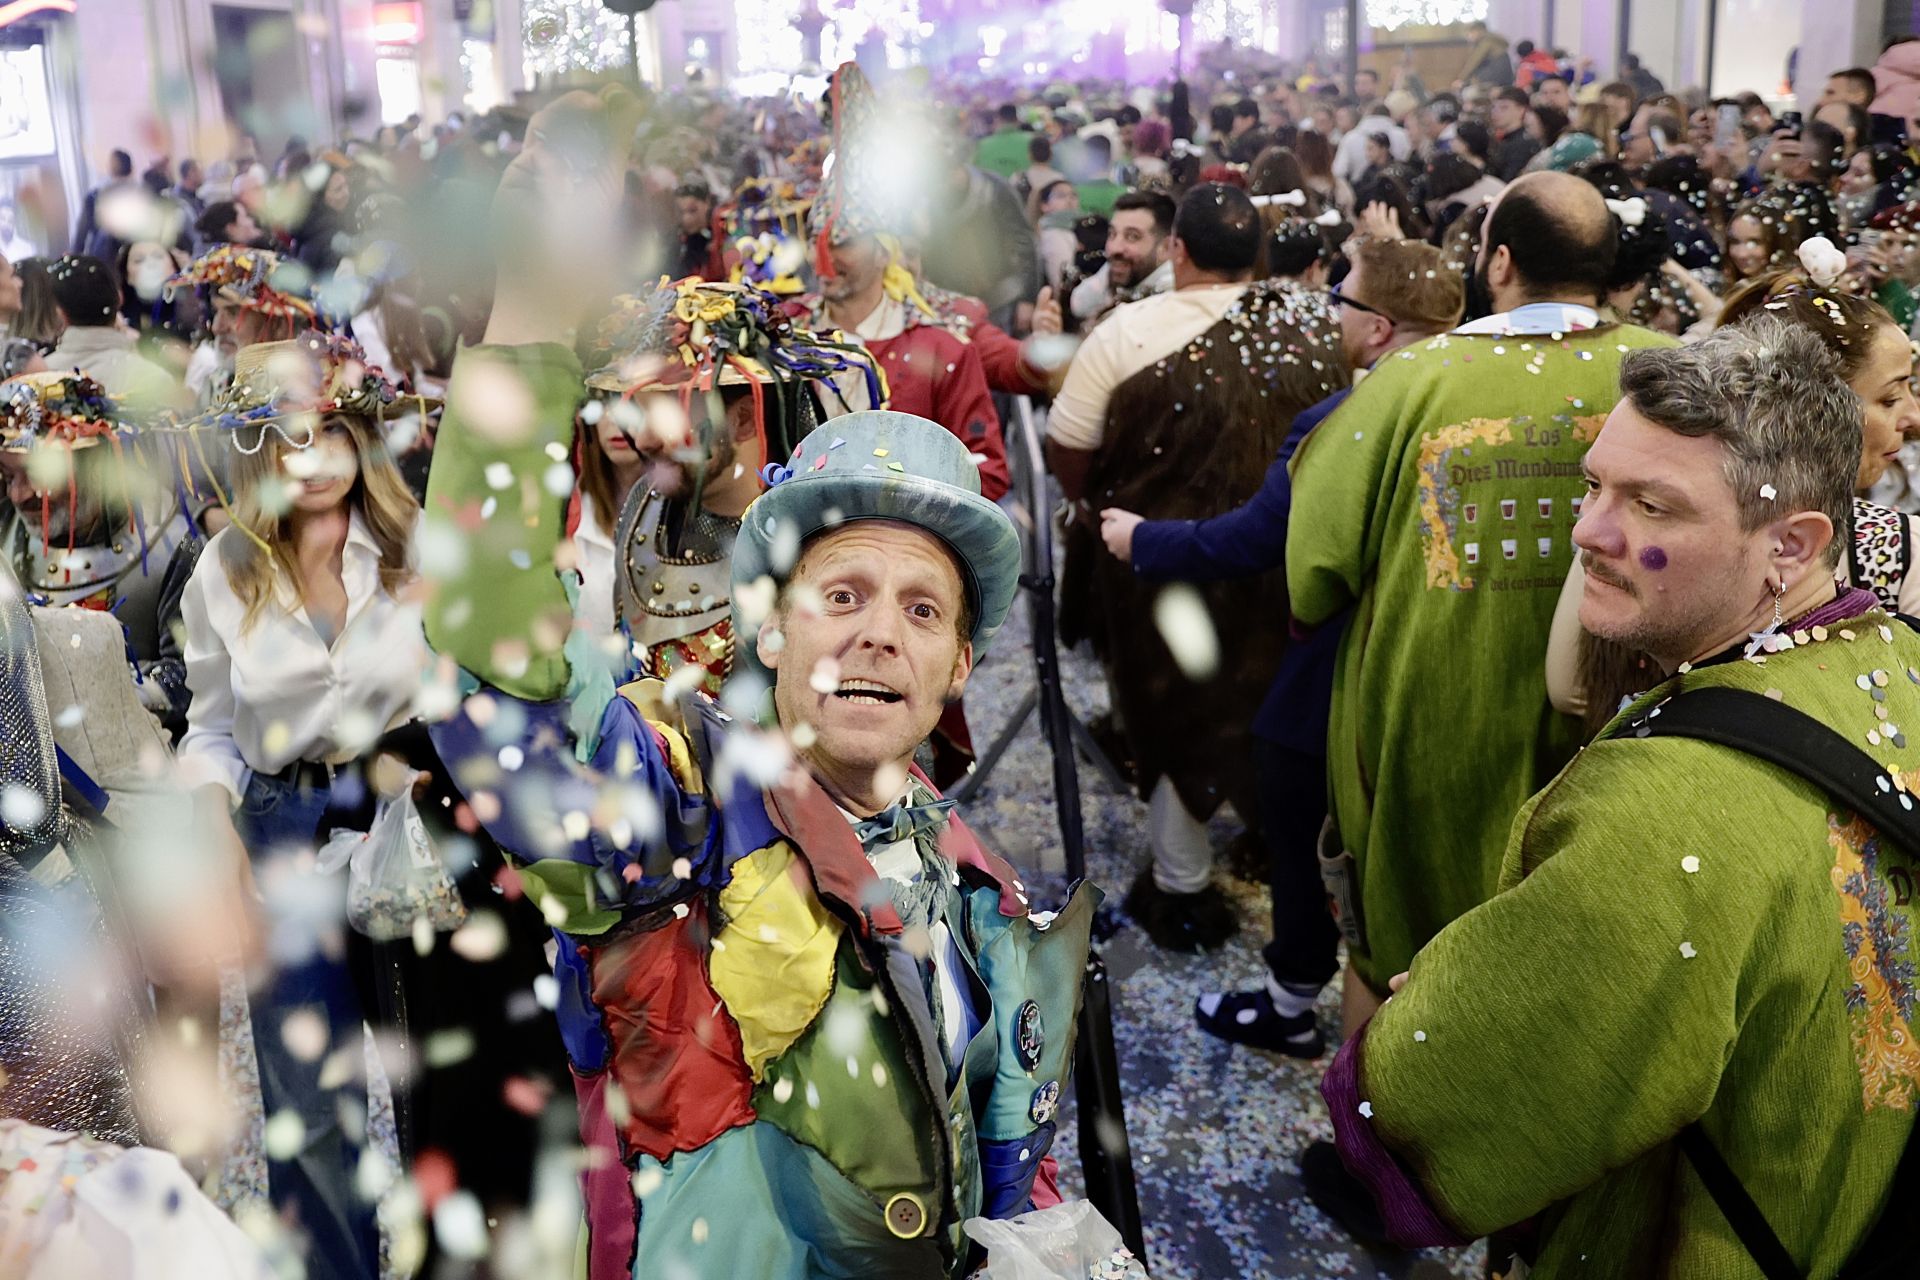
[{"x": 878, "y": 465}]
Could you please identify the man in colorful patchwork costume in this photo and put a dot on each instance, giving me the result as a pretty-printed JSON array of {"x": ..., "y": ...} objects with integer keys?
[
  {"x": 1437, "y": 502},
  {"x": 814, "y": 1023},
  {"x": 1686, "y": 934}
]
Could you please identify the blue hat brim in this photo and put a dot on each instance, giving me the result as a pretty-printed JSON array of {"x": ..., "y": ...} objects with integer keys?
[{"x": 977, "y": 531}]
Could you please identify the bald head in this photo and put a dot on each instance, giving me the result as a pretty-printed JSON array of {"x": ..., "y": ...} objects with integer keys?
[{"x": 1552, "y": 234}]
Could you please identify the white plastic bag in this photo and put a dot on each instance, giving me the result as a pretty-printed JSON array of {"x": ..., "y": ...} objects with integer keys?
[
  {"x": 394, "y": 874},
  {"x": 1070, "y": 1241}
]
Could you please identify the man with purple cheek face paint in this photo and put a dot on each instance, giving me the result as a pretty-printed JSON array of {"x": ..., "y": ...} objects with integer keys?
[
  {"x": 1664, "y": 541},
  {"x": 1709, "y": 938}
]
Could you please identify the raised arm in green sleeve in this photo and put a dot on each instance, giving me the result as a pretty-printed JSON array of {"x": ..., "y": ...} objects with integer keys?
[{"x": 497, "y": 605}]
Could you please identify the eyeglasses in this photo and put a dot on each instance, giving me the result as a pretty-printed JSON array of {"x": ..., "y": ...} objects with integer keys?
[{"x": 1342, "y": 300}]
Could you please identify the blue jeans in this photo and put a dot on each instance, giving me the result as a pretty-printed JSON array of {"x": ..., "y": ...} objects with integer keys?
[{"x": 317, "y": 1180}]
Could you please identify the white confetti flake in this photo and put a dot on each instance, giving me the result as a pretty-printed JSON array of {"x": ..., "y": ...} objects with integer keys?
[
  {"x": 285, "y": 1133},
  {"x": 20, "y": 807},
  {"x": 1366, "y": 1109},
  {"x": 1419, "y": 1037},
  {"x": 1690, "y": 864},
  {"x": 1182, "y": 618},
  {"x": 460, "y": 1225},
  {"x": 649, "y": 1180},
  {"x": 1768, "y": 492},
  {"x": 1687, "y": 952},
  {"x": 499, "y": 475}
]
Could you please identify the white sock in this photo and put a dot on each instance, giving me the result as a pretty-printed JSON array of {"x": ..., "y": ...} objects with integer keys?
[{"x": 1289, "y": 1002}]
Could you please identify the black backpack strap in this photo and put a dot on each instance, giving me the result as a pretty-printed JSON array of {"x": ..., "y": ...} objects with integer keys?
[
  {"x": 1793, "y": 740},
  {"x": 1742, "y": 1214}
]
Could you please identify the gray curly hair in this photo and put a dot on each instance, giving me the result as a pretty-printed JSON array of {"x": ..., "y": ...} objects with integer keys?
[{"x": 1771, "y": 393}]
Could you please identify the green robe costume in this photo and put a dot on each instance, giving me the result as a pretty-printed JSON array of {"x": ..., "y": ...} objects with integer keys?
[
  {"x": 1684, "y": 933},
  {"x": 1439, "y": 501}
]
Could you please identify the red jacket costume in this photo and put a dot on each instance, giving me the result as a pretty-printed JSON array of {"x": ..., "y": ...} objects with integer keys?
[{"x": 935, "y": 374}]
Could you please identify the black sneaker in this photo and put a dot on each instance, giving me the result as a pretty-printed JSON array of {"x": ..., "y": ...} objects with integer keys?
[
  {"x": 1342, "y": 1197},
  {"x": 1200, "y": 921},
  {"x": 1249, "y": 1018}
]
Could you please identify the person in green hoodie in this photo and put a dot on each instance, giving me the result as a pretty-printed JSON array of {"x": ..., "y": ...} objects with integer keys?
[{"x": 1685, "y": 933}]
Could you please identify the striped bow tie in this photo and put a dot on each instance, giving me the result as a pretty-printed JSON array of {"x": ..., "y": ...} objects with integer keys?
[{"x": 902, "y": 822}]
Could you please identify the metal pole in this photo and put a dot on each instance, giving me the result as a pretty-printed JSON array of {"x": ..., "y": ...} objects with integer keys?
[
  {"x": 1625, "y": 26},
  {"x": 1713, "y": 33},
  {"x": 1353, "y": 42},
  {"x": 633, "y": 48}
]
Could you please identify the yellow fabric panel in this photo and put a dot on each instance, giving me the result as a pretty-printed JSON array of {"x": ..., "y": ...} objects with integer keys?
[
  {"x": 649, "y": 698},
  {"x": 773, "y": 961}
]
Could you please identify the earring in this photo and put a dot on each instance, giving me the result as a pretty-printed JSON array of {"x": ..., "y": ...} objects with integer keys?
[{"x": 1770, "y": 640}]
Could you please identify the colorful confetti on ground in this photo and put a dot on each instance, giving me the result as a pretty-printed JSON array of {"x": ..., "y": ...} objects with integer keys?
[{"x": 1216, "y": 1130}]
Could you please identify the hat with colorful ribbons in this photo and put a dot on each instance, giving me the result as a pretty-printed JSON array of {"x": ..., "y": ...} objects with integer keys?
[
  {"x": 256, "y": 280},
  {"x": 693, "y": 336}
]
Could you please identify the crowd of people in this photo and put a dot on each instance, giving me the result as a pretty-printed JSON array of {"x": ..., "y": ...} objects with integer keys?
[{"x": 488, "y": 607}]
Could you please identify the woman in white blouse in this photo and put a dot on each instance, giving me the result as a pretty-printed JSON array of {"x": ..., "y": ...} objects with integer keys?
[
  {"x": 610, "y": 465},
  {"x": 303, "y": 645}
]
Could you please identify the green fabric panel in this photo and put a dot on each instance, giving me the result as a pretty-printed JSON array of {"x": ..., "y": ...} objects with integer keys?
[
  {"x": 877, "y": 1134},
  {"x": 572, "y": 885},
  {"x": 755, "y": 1203},
  {"x": 1019, "y": 963},
  {"x": 505, "y": 595},
  {"x": 1549, "y": 1044},
  {"x": 1441, "y": 725}
]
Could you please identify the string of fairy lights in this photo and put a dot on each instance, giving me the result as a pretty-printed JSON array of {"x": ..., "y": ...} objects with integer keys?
[{"x": 564, "y": 36}]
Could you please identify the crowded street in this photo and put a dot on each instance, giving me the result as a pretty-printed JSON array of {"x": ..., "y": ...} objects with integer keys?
[{"x": 959, "y": 640}]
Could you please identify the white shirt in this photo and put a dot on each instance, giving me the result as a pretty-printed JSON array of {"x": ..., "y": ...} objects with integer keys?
[
  {"x": 1133, "y": 338},
  {"x": 1350, "y": 158},
  {"x": 278, "y": 693},
  {"x": 1534, "y": 318},
  {"x": 593, "y": 559}
]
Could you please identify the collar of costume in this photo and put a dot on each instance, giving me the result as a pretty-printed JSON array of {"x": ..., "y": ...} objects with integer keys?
[
  {"x": 1851, "y": 602},
  {"x": 1533, "y": 319},
  {"x": 803, "y": 812}
]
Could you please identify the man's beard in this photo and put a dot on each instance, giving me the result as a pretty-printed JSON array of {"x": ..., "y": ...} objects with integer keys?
[{"x": 1123, "y": 273}]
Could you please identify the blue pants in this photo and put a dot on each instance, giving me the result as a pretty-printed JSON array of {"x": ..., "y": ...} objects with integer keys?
[{"x": 316, "y": 1181}]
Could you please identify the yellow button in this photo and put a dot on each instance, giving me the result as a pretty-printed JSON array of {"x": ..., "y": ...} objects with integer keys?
[{"x": 906, "y": 1216}]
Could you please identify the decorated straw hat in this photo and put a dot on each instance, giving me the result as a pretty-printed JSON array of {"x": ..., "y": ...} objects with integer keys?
[
  {"x": 256, "y": 280},
  {"x": 288, "y": 386},
  {"x": 70, "y": 410},
  {"x": 694, "y": 336},
  {"x": 767, "y": 227},
  {"x": 876, "y": 466}
]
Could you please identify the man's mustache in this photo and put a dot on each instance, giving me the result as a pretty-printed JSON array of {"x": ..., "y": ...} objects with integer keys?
[{"x": 1593, "y": 569}]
